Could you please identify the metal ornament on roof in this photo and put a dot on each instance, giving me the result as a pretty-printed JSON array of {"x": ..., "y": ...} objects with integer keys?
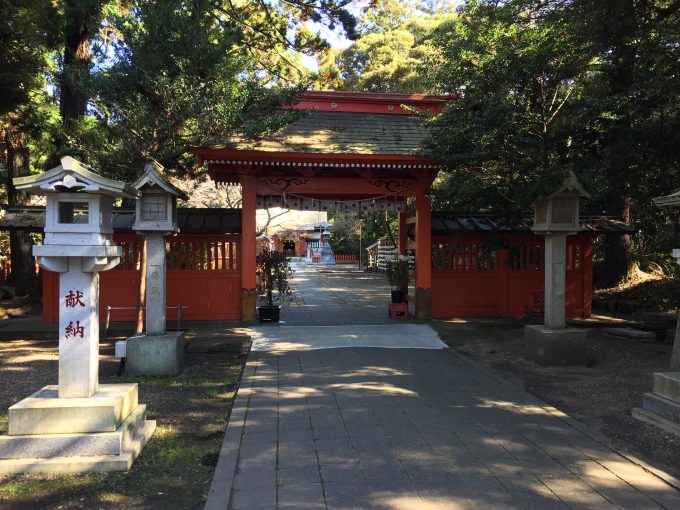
[{"x": 389, "y": 204}]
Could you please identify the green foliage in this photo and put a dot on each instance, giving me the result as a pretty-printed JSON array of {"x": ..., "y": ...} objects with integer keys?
[
  {"x": 348, "y": 226},
  {"x": 548, "y": 87},
  {"x": 396, "y": 272},
  {"x": 508, "y": 139},
  {"x": 391, "y": 53},
  {"x": 273, "y": 274},
  {"x": 24, "y": 36}
]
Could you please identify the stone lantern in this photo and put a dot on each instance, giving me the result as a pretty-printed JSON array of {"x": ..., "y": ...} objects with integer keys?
[
  {"x": 77, "y": 425},
  {"x": 157, "y": 352},
  {"x": 325, "y": 250},
  {"x": 556, "y": 217}
]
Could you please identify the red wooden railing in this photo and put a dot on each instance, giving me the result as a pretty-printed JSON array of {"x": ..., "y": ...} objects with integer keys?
[
  {"x": 473, "y": 275},
  {"x": 203, "y": 274}
]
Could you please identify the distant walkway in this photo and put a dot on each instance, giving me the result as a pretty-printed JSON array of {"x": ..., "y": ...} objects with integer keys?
[{"x": 336, "y": 295}]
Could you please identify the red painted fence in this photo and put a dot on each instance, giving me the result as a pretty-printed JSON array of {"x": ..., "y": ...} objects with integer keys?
[
  {"x": 203, "y": 274},
  {"x": 472, "y": 278}
]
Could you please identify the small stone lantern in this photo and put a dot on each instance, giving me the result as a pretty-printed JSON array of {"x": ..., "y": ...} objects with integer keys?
[
  {"x": 559, "y": 212},
  {"x": 556, "y": 217},
  {"x": 157, "y": 352},
  {"x": 156, "y": 210},
  {"x": 325, "y": 251},
  {"x": 57, "y": 427}
]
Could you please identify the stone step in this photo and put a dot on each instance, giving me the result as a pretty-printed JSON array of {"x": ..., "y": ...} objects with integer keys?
[
  {"x": 68, "y": 445},
  {"x": 667, "y": 385},
  {"x": 84, "y": 464},
  {"x": 655, "y": 419},
  {"x": 661, "y": 406},
  {"x": 45, "y": 413},
  {"x": 631, "y": 334}
]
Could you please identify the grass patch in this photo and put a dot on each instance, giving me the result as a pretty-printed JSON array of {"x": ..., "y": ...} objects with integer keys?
[
  {"x": 175, "y": 468},
  {"x": 4, "y": 416}
]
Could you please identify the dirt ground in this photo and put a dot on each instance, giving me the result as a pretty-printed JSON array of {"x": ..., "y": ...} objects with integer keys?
[
  {"x": 601, "y": 395},
  {"x": 175, "y": 468}
]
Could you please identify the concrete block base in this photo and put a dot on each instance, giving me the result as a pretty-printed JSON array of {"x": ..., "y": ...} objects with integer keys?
[
  {"x": 654, "y": 419},
  {"x": 667, "y": 385},
  {"x": 661, "y": 406},
  {"x": 74, "y": 445},
  {"x": 155, "y": 354},
  {"x": 546, "y": 346},
  {"x": 45, "y": 413},
  {"x": 84, "y": 463}
]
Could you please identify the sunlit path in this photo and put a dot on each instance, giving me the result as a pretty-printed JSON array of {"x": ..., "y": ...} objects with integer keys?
[{"x": 410, "y": 429}]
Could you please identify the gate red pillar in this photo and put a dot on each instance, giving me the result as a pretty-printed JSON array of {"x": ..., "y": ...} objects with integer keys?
[
  {"x": 248, "y": 247},
  {"x": 403, "y": 241},
  {"x": 423, "y": 305}
]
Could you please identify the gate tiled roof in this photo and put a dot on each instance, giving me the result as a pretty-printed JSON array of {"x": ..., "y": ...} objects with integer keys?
[
  {"x": 449, "y": 222},
  {"x": 346, "y": 133}
]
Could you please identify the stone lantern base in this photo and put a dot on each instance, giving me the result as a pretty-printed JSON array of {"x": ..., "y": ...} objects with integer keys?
[
  {"x": 564, "y": 346},
  {"x": 48, "y": 434},
  {"x": 155, "y": 354}
]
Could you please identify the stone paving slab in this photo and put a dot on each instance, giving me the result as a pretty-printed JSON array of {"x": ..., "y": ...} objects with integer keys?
[
  {"x": 303, "y": 338},
  {"x": 368, "y": 428}
]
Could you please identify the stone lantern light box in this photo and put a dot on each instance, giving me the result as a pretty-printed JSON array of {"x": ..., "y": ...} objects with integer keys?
[
  {"x": 559, "y": 212},
  {"x": 156, "y": 210}
]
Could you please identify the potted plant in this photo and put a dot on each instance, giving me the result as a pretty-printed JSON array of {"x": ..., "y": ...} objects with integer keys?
[
  {"x": 396, "y": 272},
  {"x": 273, "y": 274}
]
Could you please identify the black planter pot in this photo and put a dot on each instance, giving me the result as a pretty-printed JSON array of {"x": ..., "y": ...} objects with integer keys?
[
  {"x": 397, "y": 296},
  {"x": 268, "y": 313}
]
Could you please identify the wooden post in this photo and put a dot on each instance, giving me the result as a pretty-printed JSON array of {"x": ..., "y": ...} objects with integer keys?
[
  {"x": 423, "y": 309},
  {"x": 248, "y": 247},
  {"x": 587, "y": 271}
]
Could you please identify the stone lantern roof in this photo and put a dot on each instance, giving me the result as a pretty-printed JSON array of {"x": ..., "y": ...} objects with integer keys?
[
  {"x": 74, "y": 176},
  {"x": 152, "y": 176}
]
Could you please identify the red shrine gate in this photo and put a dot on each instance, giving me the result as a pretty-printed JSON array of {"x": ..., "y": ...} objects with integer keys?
[{"x": 353, "y": 151}]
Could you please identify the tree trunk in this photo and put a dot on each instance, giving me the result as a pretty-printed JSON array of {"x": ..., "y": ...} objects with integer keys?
[
  {"x": 620, "y": 73},
  {"x": 141, "y": 295},
  {"x": 72, "y": 98},
  {"x": 22, "y": 275}
]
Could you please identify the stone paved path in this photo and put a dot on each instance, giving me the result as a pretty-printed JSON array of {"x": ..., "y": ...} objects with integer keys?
[
  {"x": 413, "y": 429},
  {"x": 369, "y": 428},
  {"x": 336, "y": 295}
]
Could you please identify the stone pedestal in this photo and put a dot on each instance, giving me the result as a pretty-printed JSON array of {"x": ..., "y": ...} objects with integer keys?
[
  {"x": 155, "y": 284},
  {"x": 78, "y": 331},
  {"x": 662, "y": 406},
  {"x": 546, "y": 346},
  {"x": 155, "y": 354},
  {"x": 553, "y": 343},
  {"x": 555, "y": 279},
  {"x": 51, "y": 434}
]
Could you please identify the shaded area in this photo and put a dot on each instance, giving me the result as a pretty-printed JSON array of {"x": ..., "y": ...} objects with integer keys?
[
  {"x": 176, "y": 466},
  {"x": 408, "y": 428}
]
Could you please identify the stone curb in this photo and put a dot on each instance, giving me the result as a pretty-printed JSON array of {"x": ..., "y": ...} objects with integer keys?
[
  {"x": 223, "y": 478},
  {"x": 585, "y": 429}
]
